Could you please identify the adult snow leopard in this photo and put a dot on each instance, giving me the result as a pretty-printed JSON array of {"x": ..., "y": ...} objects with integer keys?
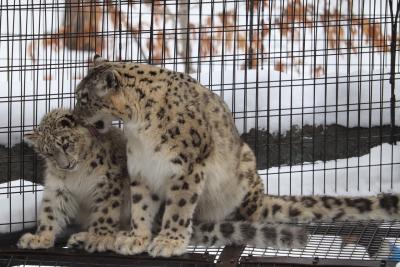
[{"x": 184, "y": 148}]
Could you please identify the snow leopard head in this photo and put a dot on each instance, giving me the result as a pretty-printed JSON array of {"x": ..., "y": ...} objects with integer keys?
[{"x": 60, "y": 139}]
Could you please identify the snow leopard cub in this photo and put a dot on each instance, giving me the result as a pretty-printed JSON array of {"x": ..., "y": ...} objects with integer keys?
[{"x": 83, "y": 182}]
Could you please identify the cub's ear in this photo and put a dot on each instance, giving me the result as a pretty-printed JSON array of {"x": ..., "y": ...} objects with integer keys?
[
  {"x": 97, "y": 59},
  {"x": 68, "y": 121},
  {"x": 32, "y": 138}
]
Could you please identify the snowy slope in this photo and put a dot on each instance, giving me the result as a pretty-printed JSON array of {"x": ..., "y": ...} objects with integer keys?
[
  {"x": 320, "y": 103},
  {"x": 304, "y": 67}
]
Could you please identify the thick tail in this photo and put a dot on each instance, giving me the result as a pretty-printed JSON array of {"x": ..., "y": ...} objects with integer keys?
[
  {"x": 328, "y": 208},
  {"x": 261, "y": 235}
]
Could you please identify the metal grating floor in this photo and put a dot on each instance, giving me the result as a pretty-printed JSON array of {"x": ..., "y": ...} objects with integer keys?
[
  {"x": 367, "y": 243},
  {"x": 363, "y": 240},
  {"x": 10, "y": 256}
]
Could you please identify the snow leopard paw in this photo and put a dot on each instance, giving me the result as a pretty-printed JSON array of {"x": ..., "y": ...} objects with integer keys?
[
  {"x": 167, "y": 246},
  {"x": 129, "y": 243},
  {"x": 92, "y": 242},
  {"x": 36, "y": 241}
]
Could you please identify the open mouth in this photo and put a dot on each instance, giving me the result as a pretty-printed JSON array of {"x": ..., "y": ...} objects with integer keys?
[
  {"x": 71, "y": 166},
  {"x": 99, "y": 125}
]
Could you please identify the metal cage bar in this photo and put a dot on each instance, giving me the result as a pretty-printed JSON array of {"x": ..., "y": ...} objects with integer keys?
[{"x": 312, "y": 86}]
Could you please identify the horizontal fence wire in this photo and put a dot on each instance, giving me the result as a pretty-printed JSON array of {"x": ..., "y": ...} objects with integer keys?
[{"x": 308, "y": 83}]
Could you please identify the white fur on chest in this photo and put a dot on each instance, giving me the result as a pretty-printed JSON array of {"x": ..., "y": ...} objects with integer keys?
[
  {"x": 81, "y": 188},
  {"x": 82, "y": 185},
  {"x": 79, "y": 184},
  {"x": 152, "y": 168}
]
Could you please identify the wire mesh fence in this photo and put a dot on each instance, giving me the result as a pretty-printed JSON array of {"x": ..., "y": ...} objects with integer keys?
[{"x": 311, "y": 85}]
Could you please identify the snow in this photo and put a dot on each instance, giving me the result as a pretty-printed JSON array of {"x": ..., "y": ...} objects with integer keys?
[
  {"x": 349, "y": 86},
  {"x": 20, "y": 201},
  {"x": 278, "y": 101},
  {"x": 281, "y": 101},
  {"x": 370, "y": 174}
]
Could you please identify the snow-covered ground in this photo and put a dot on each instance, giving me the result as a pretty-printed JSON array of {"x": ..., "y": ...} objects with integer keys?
[
  {"x": 277, "y": 104},
  {"x": 20, "y": 201},
  {"x": 378, "y": 171}
]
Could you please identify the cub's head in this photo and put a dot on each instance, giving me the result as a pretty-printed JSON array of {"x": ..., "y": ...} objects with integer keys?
[
  {"x": 95, "y": 92},
  {"x": 60, "y": 139}
]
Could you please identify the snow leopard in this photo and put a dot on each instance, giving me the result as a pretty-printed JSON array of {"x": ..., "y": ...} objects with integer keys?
[
  {"x": 86, "y": 181},
  {"x": 183, "y": 147}
]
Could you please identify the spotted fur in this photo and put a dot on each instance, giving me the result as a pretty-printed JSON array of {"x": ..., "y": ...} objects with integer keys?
[
  {"x": 83, "y": 183},
  {"x": 184, "y": 148},
  {"x": 256, "y": 234},
  {"x": 328, "y": 208}
]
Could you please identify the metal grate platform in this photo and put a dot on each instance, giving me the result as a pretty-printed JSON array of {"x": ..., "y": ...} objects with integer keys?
[{"x": 365, "y": 243}]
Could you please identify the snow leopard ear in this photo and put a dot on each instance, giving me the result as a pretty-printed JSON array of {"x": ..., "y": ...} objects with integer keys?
[
  {"x": 109, "y": 81},
  {"x": 32, "y": 138},
  {"x": 97, "y": 59},
  {"x": 68, "y": 121}
]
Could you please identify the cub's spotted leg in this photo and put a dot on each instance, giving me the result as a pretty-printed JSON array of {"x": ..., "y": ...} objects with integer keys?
[
  {"x": 182, "y": 196},
  {"x": 57, "y": 207},
  {"x": 104, "y": 219},
  {"x": 145, "y": 206}
]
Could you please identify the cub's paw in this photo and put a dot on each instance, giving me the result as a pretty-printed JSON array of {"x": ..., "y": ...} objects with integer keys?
[
  {"x": 36, "y": 241},
  {"x": 92, "y": 242},
  {"x": 130, "y": 243},
  {"x": 77, "y": 240},
  {"x": 167, "y": 246}
]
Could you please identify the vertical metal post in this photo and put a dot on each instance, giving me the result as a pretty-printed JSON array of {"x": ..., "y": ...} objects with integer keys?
[
  {"x": 251, "y": 7},
  {"x": 393, "y": 43},
  {"x": 183, "y": 20},
  {"x": 151, "y": 34},
  {"x": 120, "y": 29}
]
